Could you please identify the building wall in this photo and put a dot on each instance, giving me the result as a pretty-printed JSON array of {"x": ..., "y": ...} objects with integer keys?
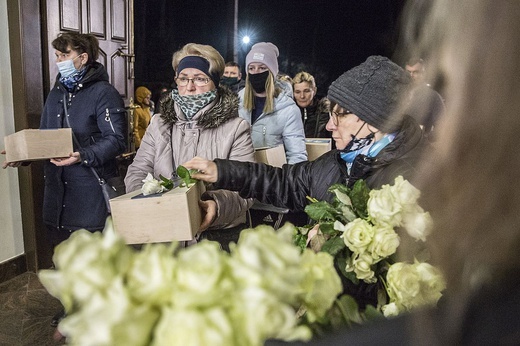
[{"x": 11, "y": 238}]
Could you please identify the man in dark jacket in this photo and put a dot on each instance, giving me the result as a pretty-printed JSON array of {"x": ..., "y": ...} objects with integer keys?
[{"x": 374, "y": 142}]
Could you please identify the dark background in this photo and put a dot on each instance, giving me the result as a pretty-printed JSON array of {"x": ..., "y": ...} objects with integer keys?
[{"x": 322, "y": 37}]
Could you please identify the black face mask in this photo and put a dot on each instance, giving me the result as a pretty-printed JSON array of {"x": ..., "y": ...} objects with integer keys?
[
  {"x": 258, "y": 81},
  {"x": 229, "y": 81}
]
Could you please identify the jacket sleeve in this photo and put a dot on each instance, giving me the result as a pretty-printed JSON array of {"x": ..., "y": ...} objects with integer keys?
[
  {"x": 242, "y": 148},
  {"x": 294, "y": 136},
  {"x": 285, "y": 187},
  {"x": 111, "y": 121},
  {"x": 229, "y": 207}
]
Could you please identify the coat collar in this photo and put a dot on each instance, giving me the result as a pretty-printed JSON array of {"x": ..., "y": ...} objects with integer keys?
[{"x": 224, "y": 109}]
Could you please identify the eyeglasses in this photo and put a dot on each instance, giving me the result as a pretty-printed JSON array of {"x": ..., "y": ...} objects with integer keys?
[
  {"x": 336, "y": 115},
  {"x": 198, "y": 81}
]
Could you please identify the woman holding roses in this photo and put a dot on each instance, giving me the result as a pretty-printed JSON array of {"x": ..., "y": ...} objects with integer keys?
[{"x": 374, "y": 142}]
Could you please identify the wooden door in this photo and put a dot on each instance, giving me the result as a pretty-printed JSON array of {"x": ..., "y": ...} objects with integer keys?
[{"x": 111, "y": 21}]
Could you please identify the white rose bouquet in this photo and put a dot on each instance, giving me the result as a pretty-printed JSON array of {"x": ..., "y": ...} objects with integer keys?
[
  {"x": 266, "y": 287},
  {"x": 362, "y": 229}
]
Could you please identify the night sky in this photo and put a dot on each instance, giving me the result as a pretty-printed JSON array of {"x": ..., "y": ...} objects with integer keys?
[{"x": 323, "y": 37}]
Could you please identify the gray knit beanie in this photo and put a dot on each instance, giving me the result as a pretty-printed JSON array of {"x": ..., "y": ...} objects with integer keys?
[
  {"x": 266, "y": 53},
  {"x": 373, "y": 91}
]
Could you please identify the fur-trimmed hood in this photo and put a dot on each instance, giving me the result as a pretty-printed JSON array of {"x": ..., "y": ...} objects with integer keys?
[{"x": 223, "y": 108}]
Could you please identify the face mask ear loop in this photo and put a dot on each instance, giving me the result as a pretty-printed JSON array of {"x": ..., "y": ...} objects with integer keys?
[
  {"x": 372, "y": 132},
  {"x": 355, "y": 136}
]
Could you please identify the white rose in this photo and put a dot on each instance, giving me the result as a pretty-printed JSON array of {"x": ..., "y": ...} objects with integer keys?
[
  {"x": 403, "y": 283},
  {"x": 269, "y": 259},
  {"x": 433, "y": 282},
  {"x": 150, "y": 278},
  {"x": 362, "y": 264},
  {"x": 357, "y": 235},
  {"x": 151, "y": 186},
  {"x": 321, "y": 283},
  {"x": 418, "y": 223},
  {"x": 384, "y": 242},
  {"x": 179, "y": 326},
  {"x": 390, "y": 310},
  {"x": 383, "y": 207},
  {"x": 405, "y": 193},
  {"x": 199, "y": 278}
]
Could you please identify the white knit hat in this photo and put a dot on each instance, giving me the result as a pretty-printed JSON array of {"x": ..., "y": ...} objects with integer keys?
[{"x": 265, "y": 53}]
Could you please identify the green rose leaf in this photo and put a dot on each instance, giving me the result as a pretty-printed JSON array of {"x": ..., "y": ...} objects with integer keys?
[
  {"x": 321, "y": 210},
  {"x": 167, "y": 183},
  {"x": 359, "y": 196},
  {"x": 333, "y": 246},
  {"x": 185, "y": 175}
]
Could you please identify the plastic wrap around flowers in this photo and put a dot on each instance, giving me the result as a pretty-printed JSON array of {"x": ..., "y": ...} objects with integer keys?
[
  {"x": 359, "y": 229},
  {"x": 266, "y": 287}
]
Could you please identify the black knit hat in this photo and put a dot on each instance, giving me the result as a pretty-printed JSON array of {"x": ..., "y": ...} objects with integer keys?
[{"x": 373, "y": 91}]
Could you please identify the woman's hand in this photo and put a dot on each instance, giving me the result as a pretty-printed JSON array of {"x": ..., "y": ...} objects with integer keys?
[
  {"x": 6, "y": 164},
  {"x": 207, "y": 170},
  {"x": 67, "y": 161},
  {"x": 210, "y": 213}
]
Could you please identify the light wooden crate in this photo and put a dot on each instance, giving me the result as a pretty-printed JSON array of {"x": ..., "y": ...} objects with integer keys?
[
  {"x": 32, "y": 145},
  {"x": 172, "y": 216}
]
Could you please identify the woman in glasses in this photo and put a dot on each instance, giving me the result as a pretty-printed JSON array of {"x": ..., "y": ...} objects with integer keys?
[
  {"x": 374, "y": 140},
  {"x": 197, "y": 118}
]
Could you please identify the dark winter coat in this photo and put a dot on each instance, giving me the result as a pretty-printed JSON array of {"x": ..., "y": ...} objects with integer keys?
[
  {"x": 72, "y": 196},
  {"x": 288, "y": 187},
  {"x": 315, "y": 118}
]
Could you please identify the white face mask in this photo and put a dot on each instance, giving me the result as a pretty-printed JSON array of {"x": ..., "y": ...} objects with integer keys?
[{"x": 67, "y": 67}]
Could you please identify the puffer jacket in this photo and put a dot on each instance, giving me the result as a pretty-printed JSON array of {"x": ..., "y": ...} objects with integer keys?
[
  {"x": 142, "y": 114},
  {"x": 72, "y": 197},
  {"x": 289, "y": 186},
  {"x": 283, "y": 126},
  {"x": 215, "y": 131}
]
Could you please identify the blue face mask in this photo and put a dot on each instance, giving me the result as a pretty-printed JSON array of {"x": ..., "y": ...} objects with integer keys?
[{"x": 67, "y": 67}]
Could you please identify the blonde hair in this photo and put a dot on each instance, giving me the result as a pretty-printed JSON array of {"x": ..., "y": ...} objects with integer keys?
[
  {"x": 271, "y": 91},
  {"x": 216, "y": 61},
  {"x": 302, "y": 77}
]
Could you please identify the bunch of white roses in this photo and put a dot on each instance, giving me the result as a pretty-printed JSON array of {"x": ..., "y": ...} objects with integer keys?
[
  {"x": 199, "y": 295},
  {"x": 372, "y": 239}
]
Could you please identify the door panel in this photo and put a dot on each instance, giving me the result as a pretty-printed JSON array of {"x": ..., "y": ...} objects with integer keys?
[{"x": 109, "y": 21}]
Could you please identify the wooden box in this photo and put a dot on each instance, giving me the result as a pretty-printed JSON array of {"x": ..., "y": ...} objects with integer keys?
[
  {"x": 317, "y": 147},
  {"x": 171, "y": 216},
  {"x": 31, "y": 144},
  {"x": 272, "y": 156}
]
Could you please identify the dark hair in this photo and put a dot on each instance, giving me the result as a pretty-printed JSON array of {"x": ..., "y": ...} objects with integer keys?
[
  {"x": 234, "y": 64},
  {"x": 81, "y": 43}
]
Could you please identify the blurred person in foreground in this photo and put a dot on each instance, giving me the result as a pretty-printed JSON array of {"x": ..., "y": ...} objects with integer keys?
[
  {"x": 374, "y": 142},
  {"x": 314, "y": 111},
  {"x": 198, "y": 118},
  {"x": 472, "y": 190}
]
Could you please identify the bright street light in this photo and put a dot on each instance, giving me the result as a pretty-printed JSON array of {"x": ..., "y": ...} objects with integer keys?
[{"x": 246, "y": 39}]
